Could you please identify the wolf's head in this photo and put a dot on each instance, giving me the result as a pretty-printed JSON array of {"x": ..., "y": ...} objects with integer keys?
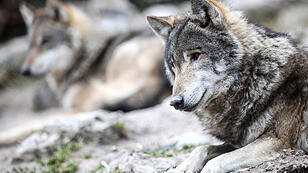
[
  {"x": 201, "y": 53},
  {"x": 53, "y": 38}
]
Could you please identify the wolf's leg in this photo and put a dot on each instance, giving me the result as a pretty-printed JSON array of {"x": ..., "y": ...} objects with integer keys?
[
  {"x": 199, "y": 156},
  {"x": 302, "y": 142},
  {"x": 261, "y": 150},
  {"x": 20, "y": 132},
  {"x": 44, "y": 98},
  {"x": 96, "y": 94},
  {"x": 13, "y": 135}
]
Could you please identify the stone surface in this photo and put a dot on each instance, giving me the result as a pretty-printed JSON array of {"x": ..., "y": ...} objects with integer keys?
[
  {"x": 289, "y": 161},
  {"x": 97, "y": 127}
]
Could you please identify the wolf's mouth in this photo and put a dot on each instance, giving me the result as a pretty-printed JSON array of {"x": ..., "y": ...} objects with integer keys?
[{"x": 192, "y": 108}]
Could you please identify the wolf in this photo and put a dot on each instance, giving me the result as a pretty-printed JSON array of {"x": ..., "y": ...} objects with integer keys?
[
  {"x": 247, "y": 84},
  {"x": 88, "y": 67}
]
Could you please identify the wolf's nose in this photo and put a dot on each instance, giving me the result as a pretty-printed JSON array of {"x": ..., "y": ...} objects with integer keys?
[
  {"x": 177, "y": 102},
  {"x": 25, "y": 71}
]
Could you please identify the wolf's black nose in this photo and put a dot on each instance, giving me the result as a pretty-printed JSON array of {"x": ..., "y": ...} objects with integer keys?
[
  {"x": 177, "y": 102},
  {"x": 25, "y": 71}
]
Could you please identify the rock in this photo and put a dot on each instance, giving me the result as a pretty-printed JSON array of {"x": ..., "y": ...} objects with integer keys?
[
  {"x": 98, "y": 127},
  {"x": 289, "y": 161},
  {"x": 139, "y": 162},
  {"x": 36, "y": 144}
]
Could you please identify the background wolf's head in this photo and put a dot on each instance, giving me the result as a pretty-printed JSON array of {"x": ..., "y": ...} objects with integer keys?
[
  {"x": 53, "y": 39},
  {"x": 201, "y": 53}
]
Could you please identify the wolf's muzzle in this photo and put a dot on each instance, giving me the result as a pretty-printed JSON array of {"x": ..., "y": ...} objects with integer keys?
[{"x": 177, "y": 102}]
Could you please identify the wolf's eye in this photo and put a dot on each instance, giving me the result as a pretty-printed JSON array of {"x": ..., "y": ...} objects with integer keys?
[
  {"x": 171, "y": 64},
  {"x": 195, "y": 56}
]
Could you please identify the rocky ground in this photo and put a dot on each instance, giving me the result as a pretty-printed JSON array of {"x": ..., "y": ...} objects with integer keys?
[
  {"x": 150, "y": 140},
  {"x": 144, "y": 141}
]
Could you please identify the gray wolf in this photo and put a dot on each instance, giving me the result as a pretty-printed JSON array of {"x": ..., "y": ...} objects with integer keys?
[
  {"x": 246, "y": 83},
  {"x": 87, "y": 67}
]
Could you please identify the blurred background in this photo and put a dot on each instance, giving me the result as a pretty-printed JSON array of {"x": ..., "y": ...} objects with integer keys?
[
  {"x": 120, "y": 16},
  {"x": 17, "y": 91}
]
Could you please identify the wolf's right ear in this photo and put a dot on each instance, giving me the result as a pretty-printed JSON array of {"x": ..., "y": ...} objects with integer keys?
[
  {"x": 27, "y": 12},
  {"x": 208, "y": 10},
  {"x": 162, "y": 26}
]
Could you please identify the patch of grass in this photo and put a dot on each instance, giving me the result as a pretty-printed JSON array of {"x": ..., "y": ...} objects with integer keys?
[
  {"x": 70, "y": 167},
  {"x": 166, "y": 152},
  {"x": 23, "y": 170},
  {"x": 120, "y": 128},
  {"x": 116, "y": 170},
  {"x": 87, "y": 156},
  {"x": 58, "y": 162},
  {"x": 99, "y": 168},
  {"x": 170, "y": 152},
  {"x": 188, "y": 147}
]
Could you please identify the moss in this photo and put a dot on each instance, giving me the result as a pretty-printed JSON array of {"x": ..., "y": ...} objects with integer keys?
[
  {"x": 24, "y": 170},
  {"x": 58, "y": 161},
  {"x": 87, "y": 156},
  {"x": 170, "y": 152},
  {"x": 188, "y": 147},
  {"x": 119, "y": 127},
  {"x": 70, "y": 167},
  {"x": 116, "y": 170},
  {"x": 166, "y": 152}
]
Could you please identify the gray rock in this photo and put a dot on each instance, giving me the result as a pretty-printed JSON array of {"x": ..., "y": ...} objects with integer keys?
[
  {"x": 97, "y": 127},
  {"x": 138, "y": 162},
  {"x": 289, "y": 161}
]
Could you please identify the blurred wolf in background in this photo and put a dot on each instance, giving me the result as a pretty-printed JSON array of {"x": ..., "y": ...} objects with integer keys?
[
  {"x": 87, "y": 67},
  {"x": 246, "y": 83}
]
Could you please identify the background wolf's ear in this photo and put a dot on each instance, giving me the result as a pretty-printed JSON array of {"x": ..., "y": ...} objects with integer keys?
[
  {"x": 208, "y": 10},
  {"x": 56, "y": 10},
  {"x": 27, "y": 12},
  {"x": 162, "y": 26}
]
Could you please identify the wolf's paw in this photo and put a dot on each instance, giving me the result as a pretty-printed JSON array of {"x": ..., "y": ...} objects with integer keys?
[
  {"x": 194, "y": 163},
  {"x": 213, "y": 166}
]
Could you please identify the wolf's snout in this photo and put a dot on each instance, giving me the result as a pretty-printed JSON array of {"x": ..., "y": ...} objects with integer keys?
[
  {"x": 177, "y": 102},
  {"x": 25, "y": 71}
]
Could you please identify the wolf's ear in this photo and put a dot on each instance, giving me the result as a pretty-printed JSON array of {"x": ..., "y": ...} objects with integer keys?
[
  {"x": 56, "y": 10},
  {"x": 162, "y": 26},
  {"x": 208, "y": 10},
  {"x": 27, "y": 12}
]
